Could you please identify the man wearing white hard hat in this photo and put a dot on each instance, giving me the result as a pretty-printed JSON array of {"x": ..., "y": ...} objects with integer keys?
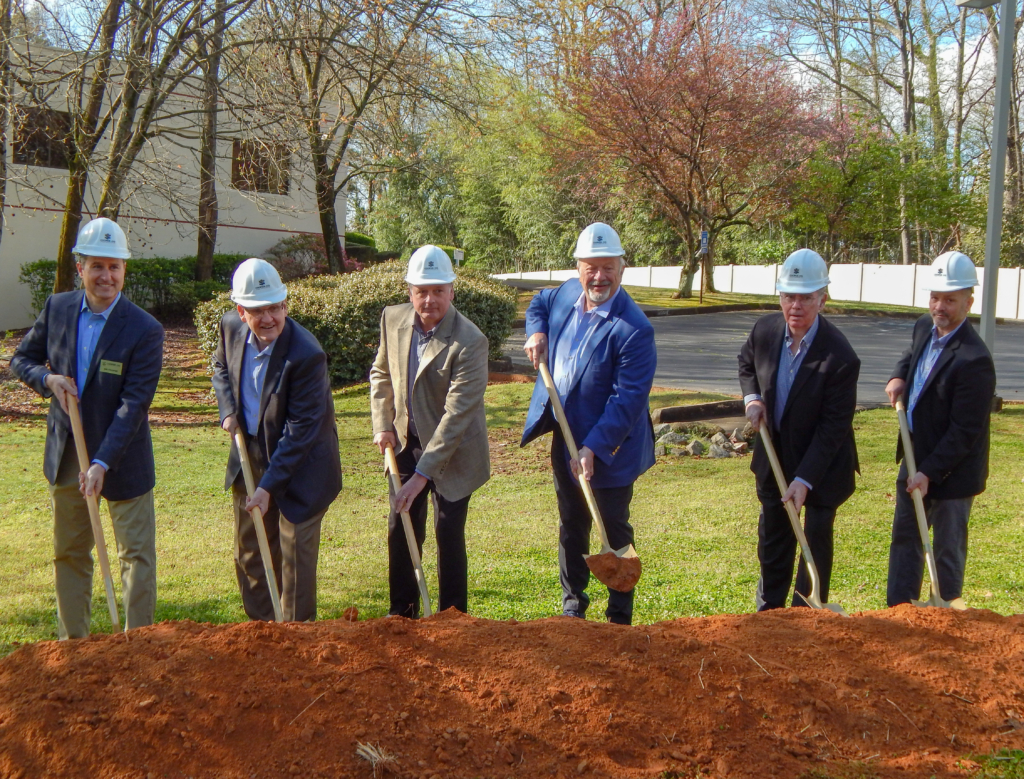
[
  {"x": 271, "y": 380},
  {"x": 599, "y": 346},
  {"x": 427, "y": 388},
  {"x": 96, "y": 345},
  {"x": 947, "y": 380},
  {"x": 798, "y": 374}
]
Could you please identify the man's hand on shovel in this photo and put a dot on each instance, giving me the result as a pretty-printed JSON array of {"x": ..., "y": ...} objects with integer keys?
[
  {"x": 797, "y": 493},
  {"x": 61, "y": 387},
  {"x": 586, "y": 461},
  {"x": 258, "y": 500},
  {"x": 91, "y": 482}
]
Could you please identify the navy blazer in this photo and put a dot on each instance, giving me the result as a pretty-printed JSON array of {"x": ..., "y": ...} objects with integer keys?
[
  {"x": 607, "y": 406},
  {"x": 951, "y": 417},
  {"x": 114, "y": 406},
  {"x": 297, "y": 433},
  {"x": 814, "y": 439}
]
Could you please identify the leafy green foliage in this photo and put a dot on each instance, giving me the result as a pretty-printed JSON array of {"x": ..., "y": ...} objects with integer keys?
[
  {"x": 343, "y": 312},
  {"x": 159, "y": 284},
  {"x": 1005, "y": 764},
  {"x": 358, "y": 238}
]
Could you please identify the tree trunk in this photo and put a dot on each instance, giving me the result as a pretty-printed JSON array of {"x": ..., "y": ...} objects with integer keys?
[
  {"x": 85, "y": 124},
  {"x": 5, "y": 104},
  {"x": 708, "y": 265},
  {"x": 325, "y": 198},
  {"x": 66, "y": 272},
  {"x": 208, "y": 212}
]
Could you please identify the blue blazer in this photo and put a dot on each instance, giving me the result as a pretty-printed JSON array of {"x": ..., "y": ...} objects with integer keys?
[
  {"x": 114, "y": 406},
  {"x": 607, "y": 406}
]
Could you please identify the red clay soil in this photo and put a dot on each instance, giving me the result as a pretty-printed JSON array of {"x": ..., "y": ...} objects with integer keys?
[{"x": 902, "y": 693}]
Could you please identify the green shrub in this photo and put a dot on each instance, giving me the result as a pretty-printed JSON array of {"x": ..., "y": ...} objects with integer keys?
[
  {"x": 359, "y": 239},
  {"x": 40, "y": 277},
  {"x": 343, "y": 312},
  {"x": 450, "y": 251},
  {"x": 159, "y": 284}
]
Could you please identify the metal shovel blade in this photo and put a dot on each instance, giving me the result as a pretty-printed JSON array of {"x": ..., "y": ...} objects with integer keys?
[
  {"x": 617, "y": 569},
  {"x": 815, "y": 603}
]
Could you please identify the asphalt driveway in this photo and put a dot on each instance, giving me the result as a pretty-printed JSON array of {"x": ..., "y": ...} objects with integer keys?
[{"x": 699, "y": 352}]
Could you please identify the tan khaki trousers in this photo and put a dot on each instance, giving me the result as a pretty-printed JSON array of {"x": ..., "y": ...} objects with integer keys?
[
  {"x": 295, "y": 549},
  {"x": 135, "y": 533}
]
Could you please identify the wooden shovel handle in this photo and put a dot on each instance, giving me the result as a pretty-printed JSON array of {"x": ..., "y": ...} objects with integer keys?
[
  {"x": 78, "y": 434},
  {"x": 261, "y": 530},
  {"x": 588, "y": 492},
  {"x": 391, "y": 464},
  {"x": 922, "y": 516},
  {"x": 794, "y": 515}
]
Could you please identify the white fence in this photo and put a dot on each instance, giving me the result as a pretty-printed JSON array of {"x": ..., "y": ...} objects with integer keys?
[{"x": 898, "y": 285}]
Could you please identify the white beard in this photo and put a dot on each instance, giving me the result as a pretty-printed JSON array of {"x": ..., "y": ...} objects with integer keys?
[{"x": 599, "y": 296}]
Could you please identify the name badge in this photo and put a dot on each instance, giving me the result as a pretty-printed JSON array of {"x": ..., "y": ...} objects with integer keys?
[{"x": 109, "y": 366}]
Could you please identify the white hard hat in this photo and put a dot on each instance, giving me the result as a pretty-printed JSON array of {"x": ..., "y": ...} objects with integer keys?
[
  {"x": 257, "y": 283},
  {"x": 951, "y": 271},
  {"x": 102, "y": 238},
  {"x": 803, "y": 272},
  {"x": 598, "y": 240},
  {"x": 430, "y": 265}
]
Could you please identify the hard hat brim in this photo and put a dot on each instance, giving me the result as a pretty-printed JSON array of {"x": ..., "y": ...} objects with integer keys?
[
  {"x": 113, "y": 254},
  {"x": 946, "y": 287},
  {"x": 254, "y": 301},
  {"x": 800, "y": 289},
  {"x": 427, "y": 281},
  {"x": 593, "y": 255}
]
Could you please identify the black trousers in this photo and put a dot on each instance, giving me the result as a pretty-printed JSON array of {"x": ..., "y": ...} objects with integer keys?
[
  {"x": 777, "y": 546},
  {"x": 450, "y": 533},
  {"x": 574, "y": 535},
  {"x": 948, "y": 520}
]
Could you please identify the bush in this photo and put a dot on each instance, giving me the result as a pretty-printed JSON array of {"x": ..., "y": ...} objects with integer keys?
[
  {"x": 450, "y": 251},
  {"x": 159, "y": 284},
  {"x": 343, "y": 312},
  {"x": 359, "y": 239}
]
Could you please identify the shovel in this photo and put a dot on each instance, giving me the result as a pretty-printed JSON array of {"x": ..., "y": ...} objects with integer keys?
[
  {"x": 618, "y": 569},
  {"x": 94, "y": 511},
  {"x": 261, "y": 530},
  {"x": 814, "y": 598},
  {"x": 391, "y": 465},
  {"x": 922, "y": 521}
]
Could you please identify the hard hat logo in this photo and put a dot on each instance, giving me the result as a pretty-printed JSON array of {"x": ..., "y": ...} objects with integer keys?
[
  {"x": 795, "y": 272},
  {"x": 940, "y": 272},
  {"x": 108, "y": 237}
]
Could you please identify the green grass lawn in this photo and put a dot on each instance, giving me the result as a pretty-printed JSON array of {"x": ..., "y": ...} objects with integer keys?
[{"x": 695, "y": 522}]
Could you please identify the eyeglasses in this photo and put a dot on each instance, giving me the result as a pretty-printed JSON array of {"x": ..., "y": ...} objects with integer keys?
[{"x": 273, "y": 310}]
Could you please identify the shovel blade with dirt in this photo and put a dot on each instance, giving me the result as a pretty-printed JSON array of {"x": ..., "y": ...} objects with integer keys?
[
  {"x": 617, "y": 569},
  {"x": 813, "y": 598},
  {"x": 934, "y": 599}
]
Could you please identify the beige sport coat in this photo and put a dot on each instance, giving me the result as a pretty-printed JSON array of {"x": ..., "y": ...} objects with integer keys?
[{"x": 447, "y": 398}]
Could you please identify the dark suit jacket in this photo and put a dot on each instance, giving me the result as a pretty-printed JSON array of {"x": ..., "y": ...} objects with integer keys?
[
  {"x": 297, "y": 433},
  {"x": 115, "y": 408},
  {"x": 814, "y": 438},
  {"x": 951, "y": 418},
  {"x": 607, "y": 406}
]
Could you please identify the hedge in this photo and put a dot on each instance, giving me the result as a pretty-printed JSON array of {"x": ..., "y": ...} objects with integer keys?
[
  {"x": 158, "y": 284},
  {"x": 343, "y": 312}
]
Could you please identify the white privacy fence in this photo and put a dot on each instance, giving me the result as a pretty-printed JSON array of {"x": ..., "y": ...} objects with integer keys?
[{"x": 898, "y": 285}]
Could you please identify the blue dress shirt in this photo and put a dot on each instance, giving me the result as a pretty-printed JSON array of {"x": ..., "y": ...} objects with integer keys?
[
  {"x": 90, "y": 327},
  {"x": 923, "y": 370},
  {"x": 573, "y": 340},
  {"x": 789, "y": 365},
  {"x": 254, "y": 371}
]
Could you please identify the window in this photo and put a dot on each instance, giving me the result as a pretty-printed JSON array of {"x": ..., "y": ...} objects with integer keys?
[
  {"x": 42, "y": 137},
  {"x": 259, "y": 166}
]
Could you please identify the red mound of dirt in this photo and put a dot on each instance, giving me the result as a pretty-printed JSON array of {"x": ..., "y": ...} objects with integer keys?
[{"x": 907, "y": 692}]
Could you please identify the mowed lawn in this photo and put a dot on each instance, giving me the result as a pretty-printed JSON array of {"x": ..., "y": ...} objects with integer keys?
[{"x": 695, "y": 522}]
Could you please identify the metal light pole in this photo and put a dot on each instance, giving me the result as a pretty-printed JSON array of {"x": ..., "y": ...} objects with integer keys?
[{"x": 1000, "y": 117}]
